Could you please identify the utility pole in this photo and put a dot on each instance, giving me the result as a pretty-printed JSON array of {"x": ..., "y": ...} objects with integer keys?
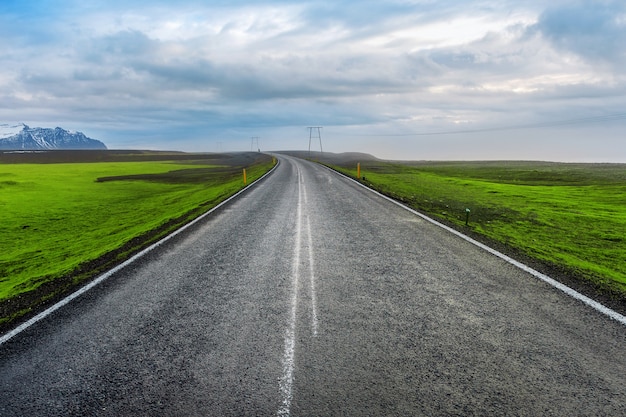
[{"x": 319, "y": 135}]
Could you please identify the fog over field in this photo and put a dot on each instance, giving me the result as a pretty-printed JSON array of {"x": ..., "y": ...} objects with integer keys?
[{"x": 398, "y": 79}]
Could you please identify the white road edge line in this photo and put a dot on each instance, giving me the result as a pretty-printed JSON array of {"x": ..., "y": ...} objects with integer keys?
[
  {"x": 567, "y": 290},
  {"x": 101, "y": 278}
]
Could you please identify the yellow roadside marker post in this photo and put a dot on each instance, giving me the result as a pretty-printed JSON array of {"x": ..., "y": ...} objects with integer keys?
[
  {"x": 244, "y": 177},
  {"x": 358, "y": 171}
]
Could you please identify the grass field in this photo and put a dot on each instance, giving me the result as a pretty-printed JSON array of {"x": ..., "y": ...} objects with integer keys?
[
  {"x": 63, "y": 222},
  {"x": 572, "y": 216}
]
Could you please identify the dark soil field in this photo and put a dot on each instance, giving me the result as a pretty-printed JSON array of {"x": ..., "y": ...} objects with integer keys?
[{"x": 88, "y": 156}]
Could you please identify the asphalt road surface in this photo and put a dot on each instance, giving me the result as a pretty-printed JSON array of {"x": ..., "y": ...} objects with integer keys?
[{"x": 310, "y": 296}]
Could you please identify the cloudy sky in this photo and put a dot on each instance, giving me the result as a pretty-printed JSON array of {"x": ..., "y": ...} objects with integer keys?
[{"x": 421, "y": 79}]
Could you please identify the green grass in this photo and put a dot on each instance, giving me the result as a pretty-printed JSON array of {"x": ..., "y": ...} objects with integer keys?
[
  {"x": 57, "y": 218},
  {"x": 572, "y": 216}
]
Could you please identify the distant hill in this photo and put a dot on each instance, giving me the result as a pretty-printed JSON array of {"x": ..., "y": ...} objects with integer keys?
[{"x": 23, "y": 137}]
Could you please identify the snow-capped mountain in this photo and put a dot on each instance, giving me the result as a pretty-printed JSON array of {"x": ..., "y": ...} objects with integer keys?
[{"x": 23, "y": 137}]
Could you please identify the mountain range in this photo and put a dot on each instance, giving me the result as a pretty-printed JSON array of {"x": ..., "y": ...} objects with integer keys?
[{"x": 23, "y": 137}]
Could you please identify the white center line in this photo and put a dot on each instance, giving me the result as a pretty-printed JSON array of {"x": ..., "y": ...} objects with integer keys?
[
  {"x": 314, "y": 324},
  {"x": 311, "y": 265},
  {"x": 286, "y": 381},
  {"x": 288, "y": 361}
]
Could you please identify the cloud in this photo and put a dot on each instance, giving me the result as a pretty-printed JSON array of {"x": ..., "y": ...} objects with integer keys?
[
  {"x": 595, "y": 30},
  {"x": 225, "y": 68}
]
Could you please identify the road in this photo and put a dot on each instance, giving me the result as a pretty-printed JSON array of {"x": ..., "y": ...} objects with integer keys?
[{"x": 310, "y": 296}]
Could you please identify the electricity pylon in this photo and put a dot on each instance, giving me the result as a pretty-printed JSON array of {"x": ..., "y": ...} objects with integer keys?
[
  {"x": 254, "y": 139},
  {"x": 319, "y": 135}
]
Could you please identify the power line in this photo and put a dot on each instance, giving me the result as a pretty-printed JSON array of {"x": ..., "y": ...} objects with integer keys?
[{"x": 595, "y": 119}]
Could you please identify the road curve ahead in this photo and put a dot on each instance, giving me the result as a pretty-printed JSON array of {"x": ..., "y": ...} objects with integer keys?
[{"x": 310, "y": 296}]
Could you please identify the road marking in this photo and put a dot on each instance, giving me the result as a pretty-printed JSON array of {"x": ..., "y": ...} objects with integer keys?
[
  {"x": 314, "y": 321},
  {"x": 289, "y": 354},
  {"x": 551, "y": 281},
  {"x": 286, "y": 380},
  {"x": 101, "y": 278}
]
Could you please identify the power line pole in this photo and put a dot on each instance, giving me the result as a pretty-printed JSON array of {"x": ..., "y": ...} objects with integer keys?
[{"x": 318, "y": 129}]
